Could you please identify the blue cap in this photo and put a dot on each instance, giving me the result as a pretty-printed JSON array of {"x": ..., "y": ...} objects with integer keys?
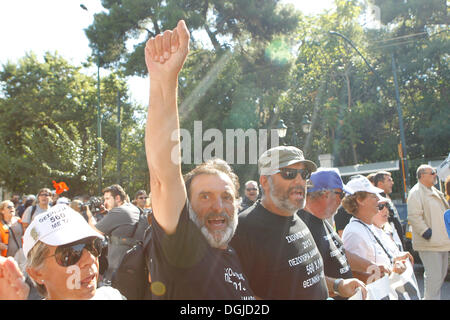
[
  {"x": 447, "y": 221},
  {"x": 327, "y": 179}
]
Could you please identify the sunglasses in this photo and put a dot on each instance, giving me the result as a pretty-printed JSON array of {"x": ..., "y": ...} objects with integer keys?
[
  {"x": 290, "y": 173},
  {"x": 251, "y": 189},
  {"x": 69, "y": 254},
  {"x": 381, "y": 206},
  {"x": 10, "y": 207},
  {"x": 340, "y": 193}
]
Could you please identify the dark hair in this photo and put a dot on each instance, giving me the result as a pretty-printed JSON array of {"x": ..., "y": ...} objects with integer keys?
[
  {"x": 140, "y": 192},
  {"x": 116, "y": 190},
  {"x": 212, "y": 166},
  {"x": 379, "y": 177},
  {"x": 447, "y": 186}
]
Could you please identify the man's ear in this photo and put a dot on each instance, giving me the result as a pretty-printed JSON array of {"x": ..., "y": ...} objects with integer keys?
[{"x": 264, "y": 182}]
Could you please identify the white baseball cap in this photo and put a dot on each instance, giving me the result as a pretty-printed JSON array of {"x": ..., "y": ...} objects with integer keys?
[
  {"x": 63, "y": 200},
  {"x": 57, "y": 226},
  {"x": 361, "y": 183}
]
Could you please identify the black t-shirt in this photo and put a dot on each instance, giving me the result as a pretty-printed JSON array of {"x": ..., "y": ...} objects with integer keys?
[
  {"x": 330, "y": 246},
  {"x": 279, "y": 256},
  {"x": 341, "y": 218},
  {"x": 185, "y": 267}
]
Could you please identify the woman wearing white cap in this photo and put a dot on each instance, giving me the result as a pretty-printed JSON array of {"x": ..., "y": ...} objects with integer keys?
[
  {"x": 360, "y": 235},
  {"x": 62, "y": 258}
]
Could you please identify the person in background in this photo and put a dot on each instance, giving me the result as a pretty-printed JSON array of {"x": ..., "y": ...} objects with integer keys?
[
  {"x": 251, "y": 195},
  {"x": 383, "y": 180},
  {"x": 447, "y": 189},
  {"x": 140, "y": 200},
  {"x": 359, "y": 235},
  {"x": 379, "y": 222},
  {"x": 43, "y": 204},
  {"x": 11, "y": 230},
  {"x": 27, "y": 203},
  {"x": 426, "y": 207},
  {"x": 119, "y": 225},
  {"x": 323, "y": 198},
  {"x": 342, "y": 217}
]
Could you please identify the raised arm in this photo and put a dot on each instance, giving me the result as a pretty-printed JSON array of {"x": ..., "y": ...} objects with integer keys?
[{"x": 164, "y": 56}]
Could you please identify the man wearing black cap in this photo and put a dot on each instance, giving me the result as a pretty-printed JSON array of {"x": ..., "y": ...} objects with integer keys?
[{"x": 276, "y": 249}]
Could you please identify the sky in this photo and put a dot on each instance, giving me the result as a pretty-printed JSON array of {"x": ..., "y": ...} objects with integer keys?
[{"x": 58, "y": 26}]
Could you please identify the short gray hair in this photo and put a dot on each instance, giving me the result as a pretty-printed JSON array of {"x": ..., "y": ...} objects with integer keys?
[
  {"x": 316, "y": 194},
  {"x": 421, "y": 170}
]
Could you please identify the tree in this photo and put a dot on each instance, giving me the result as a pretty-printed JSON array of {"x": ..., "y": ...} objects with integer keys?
[{"x": 51, "y": 134}]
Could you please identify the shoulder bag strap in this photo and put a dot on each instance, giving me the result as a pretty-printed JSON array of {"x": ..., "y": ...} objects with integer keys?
[
  {"x": 378, "y": 240},
  {"x": 11, "y": 232}
]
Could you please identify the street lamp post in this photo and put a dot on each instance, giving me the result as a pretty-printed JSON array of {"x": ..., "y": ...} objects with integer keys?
[
  {"x": 281, "y": 129},
  {"x": 99, "y": 123},
  {"x": 399, "y": 110}
]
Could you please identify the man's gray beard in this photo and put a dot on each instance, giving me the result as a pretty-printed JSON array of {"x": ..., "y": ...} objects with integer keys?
[
  {"x": 225, "y": 236},
  {"x": 282, "y": 201}
]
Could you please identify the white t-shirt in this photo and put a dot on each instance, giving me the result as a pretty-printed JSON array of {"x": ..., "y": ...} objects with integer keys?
[
  {"x": 359, "y": 240},
  {"x": 107, "y": 293},
  {"x": 387, "y": 241},
  {"x": 27, "y": 214}
]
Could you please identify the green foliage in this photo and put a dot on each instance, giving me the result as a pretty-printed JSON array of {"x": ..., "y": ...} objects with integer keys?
[{"x": 51, "y": 133}]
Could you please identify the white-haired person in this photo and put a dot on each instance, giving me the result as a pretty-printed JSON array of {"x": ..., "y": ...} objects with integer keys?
[
  {"x": 62, "y": 253},
  {"x": 360, "y": 235}
]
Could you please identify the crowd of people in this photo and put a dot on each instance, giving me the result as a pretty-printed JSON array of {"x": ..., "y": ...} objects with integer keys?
[{"x": 282, "y": 240}]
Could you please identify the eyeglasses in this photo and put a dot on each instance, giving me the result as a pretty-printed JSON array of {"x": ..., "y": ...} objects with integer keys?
[
  {"x": 381, "y": 206},
  {"x": 142, "y": 198},
  {"x": 251, "y": 189},
  {"x": 10, "y": 207},
  {"x": 69, "y": 254},
  {"x": 340, "y": 193},
  {"x": 44, "y": 195},
  {"x": 290, "y": 173},
  {"x": 432, "y": 173}
]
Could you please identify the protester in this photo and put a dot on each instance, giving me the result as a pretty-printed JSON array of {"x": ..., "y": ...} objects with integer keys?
[
  {"x": 251, "y": 195},
  {"x": 62, "y": 256},
  {"x": 323, "y": 198},
  {"x": 76, "y": 205},
  {"x": 15, "y": 199},
  {"x": 28, "y": 202},
  {"x": 276, "y": 249},
  {"x": 11, "y": 230},
  {"x": 426, "y": 207},
  {"x": 193, "y": 221},
  {"x": 42, "y": 205},
  {"x": 380, "y": 220},
  {"x": 359, "y": 235},
  {"x": 447, "y": 189},
  {"x": 119, "y": 225},
  {"x": 141, "y": 200},
  {"x": 383, "y": 180},
  {"x": 342, "y": 217}
]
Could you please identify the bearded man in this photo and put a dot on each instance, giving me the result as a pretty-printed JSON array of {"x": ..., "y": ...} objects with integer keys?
[{"x": 194, "y": 219}]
